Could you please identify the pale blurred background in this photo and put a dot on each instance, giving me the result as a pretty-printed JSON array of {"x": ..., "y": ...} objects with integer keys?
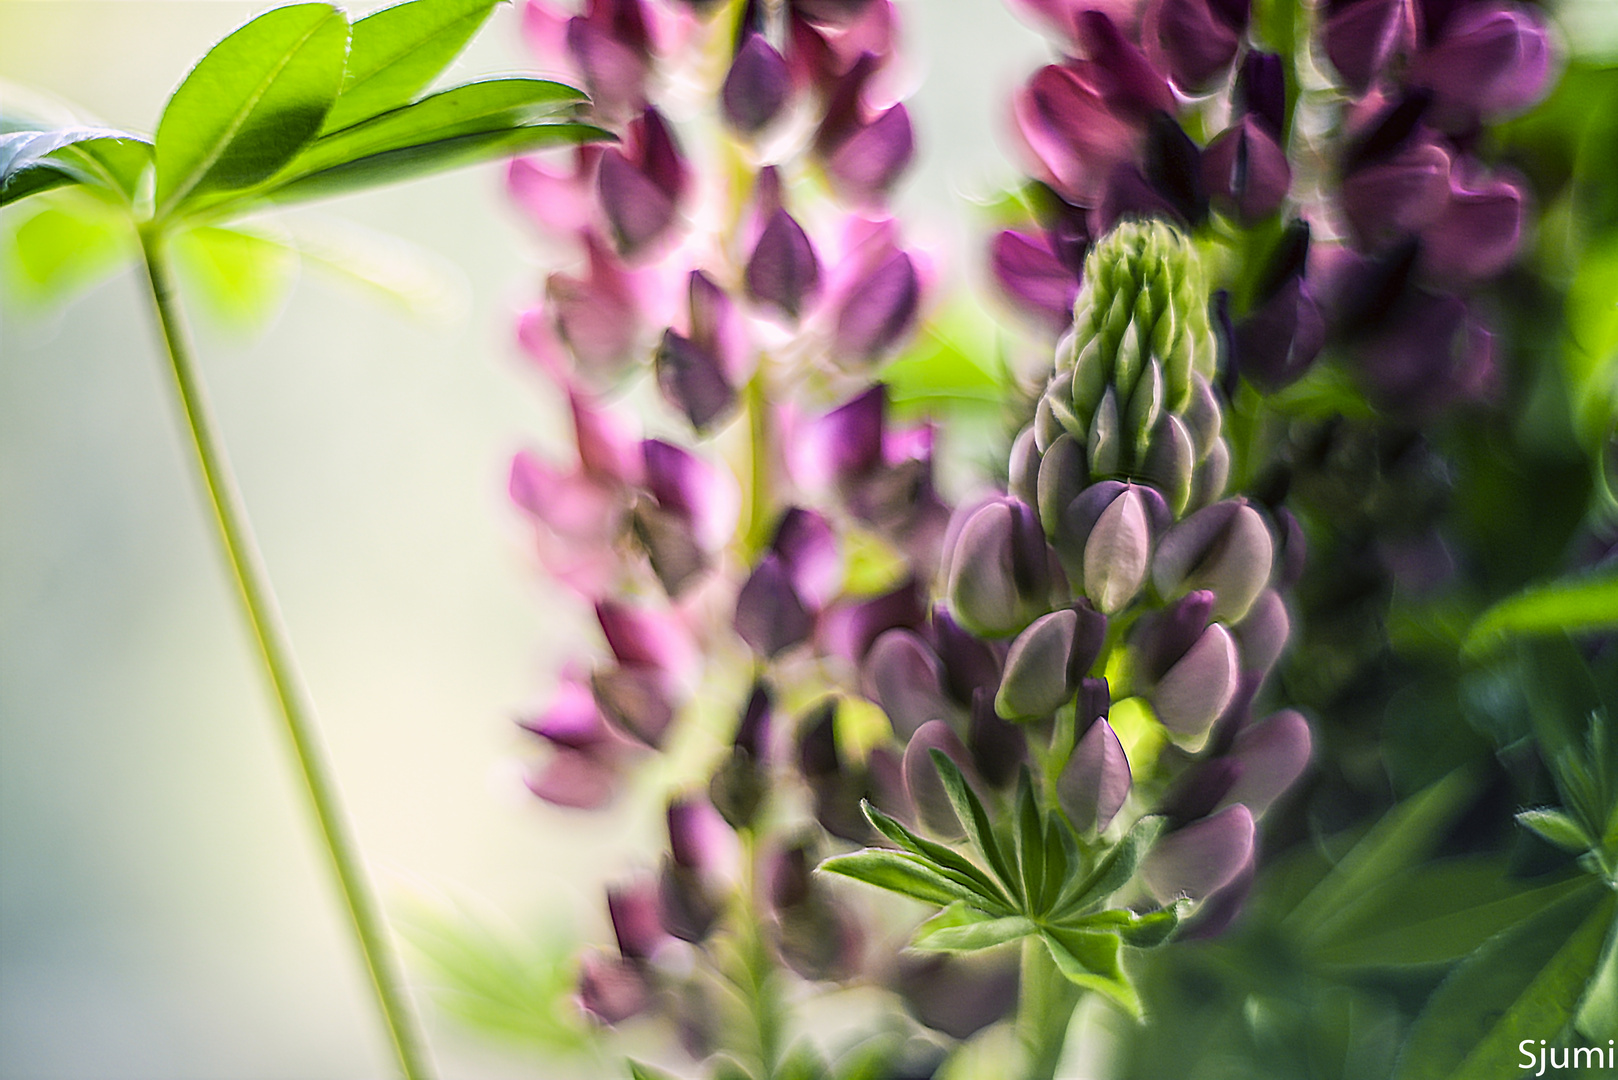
[{"x": 164, "y": 909}]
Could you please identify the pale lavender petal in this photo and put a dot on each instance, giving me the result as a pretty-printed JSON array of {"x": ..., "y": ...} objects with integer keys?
[
  {"x": 1201, "y": 858},
  {"x": 1163, "y": 638},
  {"x": 922, "y": 781},
  {"x": 1194, "y": 692},
  {"x": 611, "y": 990},
  {"x": 1096, "y": 780},
  {"x": 1273, "y": 753},
  {"x": 1262, "y": 635},
  {"x": 902, "y": 675},
  {"x": 576, "y": 779},
  {"x": 699, "y": 839},
  {"x": 1225, "y": 548},
  {"x": 638, "y": 210}
]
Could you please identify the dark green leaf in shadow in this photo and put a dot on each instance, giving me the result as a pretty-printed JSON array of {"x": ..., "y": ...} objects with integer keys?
[
  {"x": 903, "y": 874},
  {"x": 1584, "y": 602},
  {"x": 394, "y": 53},
  {"x": 250, "y": 104},
  {"x": 1030, "y": 844},
  {"x": 1524, "y": 984},
  {"x": 1092, "y": 961}
]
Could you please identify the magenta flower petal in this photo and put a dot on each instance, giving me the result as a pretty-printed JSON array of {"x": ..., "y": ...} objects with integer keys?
[
  {"x": 597, "y": 316},
  {"x": 576, "y": 779},
  {"x": 756, "y": 87},
  {"x": 1491, "y": 60},
  {"x": 870, "y": 160},
  {"x": 1034, "y": 279},
  {"x": 1262, "y": 635},
  {"x": 1134, "y": 85},
  {"x": 879, "y": 311},
  {"x": 851, "y": 629},
  {"x": 770, "y": 615},
  {"x": 1278, "y": 341},
  {"x": 1362, "y": 35},
  {"x": 1393, "y": 198},
  {"x": 783, "y": 270},
  {"x": 1096, "y": 780},
  {"x": 642, "y": 637},
  {"x": 704, "y": 495},
  {"x": 614, "y": 70},
  {"x": 1246, "y": 172},
  {"x": 1476, "y": 235},
  {"x": 637, "y": 209},
  {"x": 850, "y": 441},
  {"x": 633, "y": 910},
  {"x": 699, "y": 839},
  {"x": 611, "y": 990},
  {"x": 808, "y": 549},
  {"x": 607, "y": 453},
  {"x": 1201, "y": 858},
  {"x": 1187, "y": 39},
  {"x": 1072, "y": 133},
  {"x": 692, "y": 381}
]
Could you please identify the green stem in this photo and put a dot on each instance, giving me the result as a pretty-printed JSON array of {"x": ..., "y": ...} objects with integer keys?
[
  {"x": 1045, "y": 1004},
  {"x": 761, "y": 508},
  {"x": 263, "y": 616}
]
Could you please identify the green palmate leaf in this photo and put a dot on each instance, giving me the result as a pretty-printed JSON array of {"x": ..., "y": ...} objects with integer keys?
[
  {"x": 1598, "y": 1013},
  {"x": 250, "y": 104},
  {"x": 1434, "y": 915},
  {"x": 1401, "y": 839},
  {"x": 962, "y": 928},
  {"x": 62, "y": 245},
  {"x": 974, "y": 819},
  {"x": 118, "y": 164},
  {"x": 907, "y": 875},
  {"x": 945, "y": 860},
  {"x": 421, "y": 159},
  {"x": 1030, "y": 845},
  {"x": 1524, "y": 984},
  {"x": 1111, "y": 871},
  {"x": 1558, "y": 828},
  {"x": 1581, "y": 603},
  {"x": 1093, "y": 961},
  {"x": 35, "y": 161},
  {"x": 394, "y": 53},
  {"x": 1143, "y": 931},
  {"x": 242, "y": 275}
]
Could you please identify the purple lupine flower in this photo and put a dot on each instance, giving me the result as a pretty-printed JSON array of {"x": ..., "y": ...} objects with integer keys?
[
  {"x": 1195, "y": 41},
  {"x": 783, "y": 270},
  {"x": 642, "y": 183},
  {"x": 1096, "y": 780},
  {"x": 1225, "y": 548},
  {"x": 1201, "y": 858},
  {"x": 1362, "y": 36},
  {"x": 863, "y": 147},
  {"x": 1246, "y": 171},
  {"x": 1047, "y": 661},
  {"x": 1272, "y": 754},
  {"x": 957, "y": 995},
  {"x": 587, "y": 754},
  {"x": 757, "y": 86},
  {"x": 770, "y": 615},
  {"x": 1277, "y": 341},
  {"x": 1487, "y": 60},
  {"x": 611, "y": 990},
  {"x": 904, "y": 676},
  {"x": 1000, "y": 569},
  {"x": 1033, "y": 278}
]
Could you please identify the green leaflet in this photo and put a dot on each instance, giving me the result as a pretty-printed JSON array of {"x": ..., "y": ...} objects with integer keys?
[
  {"x": 1143, "y": 931},
  {"x": 394, "y": 53},
  {"x": 250, "y": 104},
  {"x": 907, "y": 875},
  {"x": 1579, "y": 603},
  {"x": 961, "y": 928},
  {"x": 35, "y": 161},
  {"x": 1092, "y": 960},
  {"x": 1524, "y": 984},
  {"x": 1112, "y": 871},
  {"x": 944, "y": 859},
  {"x": 973, "y": 818},
  {"x": 639, "y": 1071},
  {"x": 1433, "y": 915},
  {"x": 1556, "y": 827}
]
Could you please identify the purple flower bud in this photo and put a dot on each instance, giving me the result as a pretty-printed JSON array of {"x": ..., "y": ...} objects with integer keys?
[
  {"x": 1193, "y": 693},
  {"x": 1246, "y": 171},
  {"x": 1201, "y": 858},
  {"x": 998, "y": 747},
  {"x": 1261, "y": 90},
  {"x": 687, "y": 907},
  {"x": 770, "y": 615},
  {"x": 819, "y": 939},
  {"x": 1034, "y": 279},
  {"x": 597, "y": 316},
  {"x": 614, "y": 71},
  {"x": 1096, "y": 781},
  {"x": 1262, "y": 635},
  {"x": 1165, "y": 636},
  {"x": 1491, "y": 60},
  {"x": 957, "y": 995},
  {"x": 692, "y": 381},
  {"x": 676, "y": 557},
  {"x": 1117, "y": 551},
  {"x": 1136, "y": 84},
  {"x": 636, "y": 700},
  {"x": 638, "y": 210},
  {"x": 783, "y": 269},
  {"x": 1226, "y": 548},
  {"x": 643, "y": 638},
  {"x": 808, "y": 549},
  {"x": 851, "y": 629},
  {"x": 818, "y": 756},
  {"x": 1361, "y": 35},
  {"x": 871, "y": 160},
  {"x": 1430, "y": 354},
  {"x": 756, "y": 87},
  {"x": 1476, "y": 235},
  {"x": 1273, "y": 753},
  {"x": 633, "y": 910},
  {"x": 1398, "y": 196},
  {"x": 848, "y": 442},
  {"x": 969, "y": 663},
  {"x": 1278, "y": 341},
  {"x": 753, "y": 732},
  {"x": 1072, "y": 132},
  {"x": 1047, "y": 661},
  {"x": 701, "y": 494},
  {"x": 922, "y": 783},
  {"x": 879, "y": 311},
  {"x": 1095, "y": 698},
  {"x": 699, "y": 839},
  {"x": 1000, "y": 572},
  {"x": 716, "y": 326},
  {"x": 902, "y": 675},
  {"x": 1192, "y": 40},
  {"x": 611, "y": 990}
]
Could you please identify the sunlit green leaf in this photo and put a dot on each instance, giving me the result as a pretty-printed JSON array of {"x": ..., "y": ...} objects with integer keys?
[
  {"x": 1557, "y": 828},
  {"x": 251, "y": 103},
  {"x": 962, "y": 928},
  {"x": 907, "y": 875},
  {"x": 394, "y": 53},
  {"x": 946, "y": 860},
  {"x": 1523, "y": 984},
  {"x": 36, "y": 161},
  {"x": 1574, "y": 604},
  {"x": 974, "y": 818},
  {"x": 62, "y": 245},
  {"x": 1141, "y": 930},
  {"x": 1092, "y": 961},
  {"x": 1111, "y": 872},
  {"x": 242, "y": 275}
]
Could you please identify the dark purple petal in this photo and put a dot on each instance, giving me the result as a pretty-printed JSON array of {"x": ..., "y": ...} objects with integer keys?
[
  {"x": 1136, "y": 83},
  {"x": 1096, "y": 780},
  {"x": 902, "y": 675},
  {"x": 922, "y": 782},
  {"x": 638, "y": 210},
  {"x": 1174, "y": 168},
  {"x": 699, "y": 493},
  {"x": 635, "y": 700},
  {"x": 1190, "y": 41},
  {"x": 1034, "y": 279},
  {"x": 1163, "y": 638},
  {"x": 658, "y": 155},
  {"x": 686, "y": 906},
  {"x": 1430, "y": 355},
  {"x": 879, "y": 310},
  {"x": 850, "y": 438},
  {"x": 998, "y": 747},
  {"x": 753, "y": 733},
  {"x": 614, "y": 71},
  {"x": 1492, "y": 60},
  {"x": 783, "y": 269},
  {"x": 1201, "y": 858},
  {"x": 853, "y": 628},
  {"x": 1476, "y": 235},
  {"x": 1072, "y": 132},
  {"x": 1275, "y": 345},
  {"x": 969, "y": 663},
  {"x": 1393, "y": 198},
  {"x": 1199, "y": 791},
  {"x": 817, "y": 742},
  {"x": 1261, "y": 90},
  {"x": 808, "y": 549},
  {"x": 635, "y": 922},
  {"x": 1361, "y": 36},
  {"x": 1273, "y": 753},
  {"x": 716, "y": 325},
  {"x": 1246, "y": 172},
  {"x": 770, "y": 615},
  {"x": 756, "y": 87},
  {"x": 692, "y": 381},
  {"x": 869, "y": 161},
  {"x": 1225, "y": 548},
  {"x": 699, "y": 839},
  {"x": 611, "y": 990}
]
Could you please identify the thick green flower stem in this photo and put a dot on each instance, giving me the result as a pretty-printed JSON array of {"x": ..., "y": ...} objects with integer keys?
[
  {"x": 1045, "y": 1004},
  {"x": 263, "y": 616}
]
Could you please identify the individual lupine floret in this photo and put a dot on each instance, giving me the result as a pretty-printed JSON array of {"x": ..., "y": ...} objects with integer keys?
[
  {"x": 791, "y": 584},
  {"x": 696, "y": 876},
  {"x": 1096, "y": 781},
  {"x": 1225, "y": 548},
  {"x": 1047, "y": 662},
  {"x": 1002, "y": 573},
  {"x": 741, "y": 782},
  {"x": 1245, "y": 168}
]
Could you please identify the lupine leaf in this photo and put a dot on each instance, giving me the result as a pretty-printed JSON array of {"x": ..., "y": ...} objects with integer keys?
[
  {"x": 242, "y": 275},
  {"x": 1030, "y": 843},
  {"x": 904, "y": 874},
  {"x": 117, "y": 163},
  {"x": 1598, "y": 1012},
  {"x": 1058, "y": 836},
  {"x": 394, "y": 53},
  {"x": 62, "y": 245},
  {"x": 973, "y": 818},
  {"x": 962, "y": 928},
  {"x": 1558, "y": 828},
  {"x": 1092, "y": 961},
  {"x": 250, "y": 104},
  {"x": 1583, "y": 602},
  {"x": 1112, "y": 871},
  {"x": 1434, "y": 915},
  {"x": 1524, "y": 984},
  {"x": 31, "y": 161},
  {"x": 640, "y": 1071},
  {"x": 421, "y": 159},
  {"x": 944, "y": 859},
  {"x": 1142, "y": 930}
]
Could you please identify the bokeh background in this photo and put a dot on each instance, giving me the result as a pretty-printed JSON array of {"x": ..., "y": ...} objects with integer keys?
[{"x": 164, "y": 909}]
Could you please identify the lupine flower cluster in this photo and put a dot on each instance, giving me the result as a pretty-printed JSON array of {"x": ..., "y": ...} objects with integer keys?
[{"x": 1341, "y": 169}]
